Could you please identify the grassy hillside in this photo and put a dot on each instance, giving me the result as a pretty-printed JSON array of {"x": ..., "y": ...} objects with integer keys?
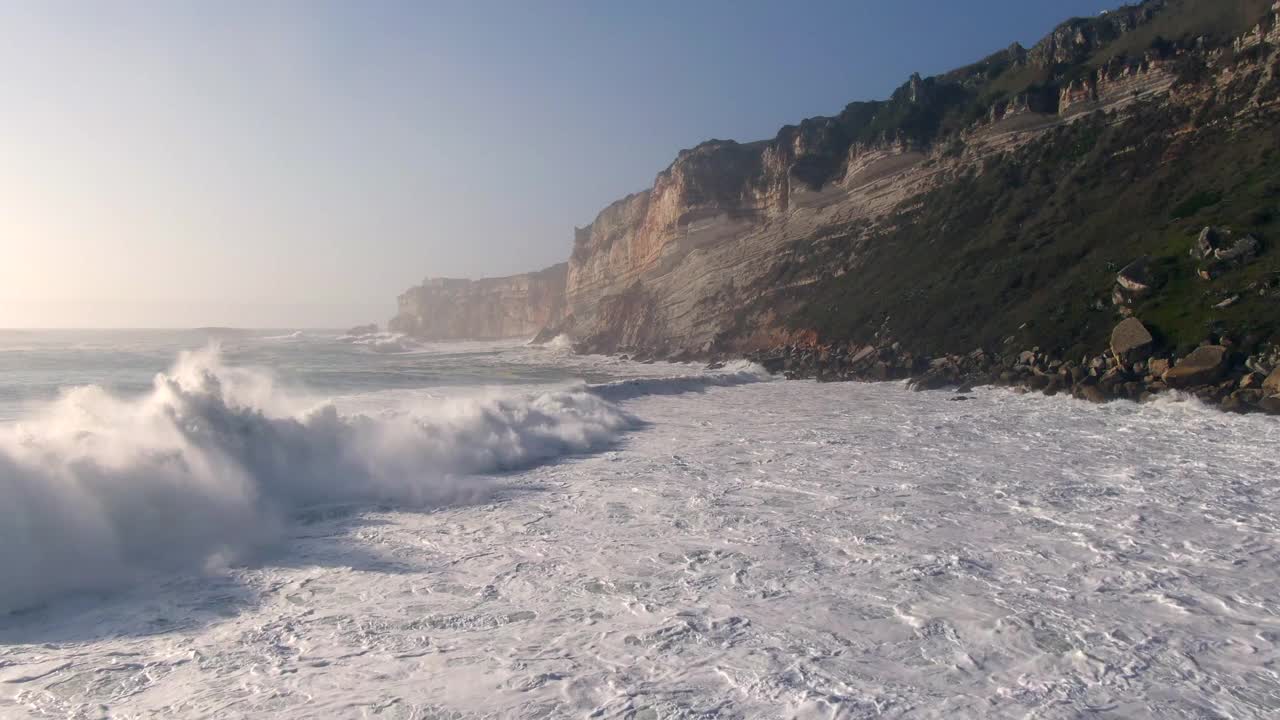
[
  {"x": 1219, "y": 21},
  {"x": 1026, "y": 252}
]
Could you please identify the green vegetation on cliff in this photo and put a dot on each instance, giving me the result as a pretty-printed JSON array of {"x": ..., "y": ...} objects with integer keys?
[
  {"x": 1029, "y": 248},
  {"x": 1024, "y": 250}
]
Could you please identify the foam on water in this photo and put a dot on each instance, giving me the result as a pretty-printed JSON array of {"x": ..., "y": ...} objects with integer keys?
[
  {"x": 98, "y": 489},
  {"x": 731, "y": 549},
  {"x": 208, "y": 465},
  {"x": 383, "y": 342}
]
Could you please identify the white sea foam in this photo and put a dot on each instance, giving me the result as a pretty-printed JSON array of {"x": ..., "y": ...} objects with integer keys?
[
  {"x": 209, "y": 464},
  {"x": 739, "y": 372},
  {"x": 204, "y": 468},
  {"x": 560, "y": 343},
  {"x": 775, "y": 549},
  {"x": 383, "y": 342}
]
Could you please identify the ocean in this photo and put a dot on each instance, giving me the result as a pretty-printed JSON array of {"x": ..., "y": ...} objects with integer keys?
[{"x": 295, "y": 524}]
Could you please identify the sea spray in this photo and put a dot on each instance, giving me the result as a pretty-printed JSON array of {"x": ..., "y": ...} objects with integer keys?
[
  {"x": 209, "y": 464},
  {"x": 212, "y": 462}
]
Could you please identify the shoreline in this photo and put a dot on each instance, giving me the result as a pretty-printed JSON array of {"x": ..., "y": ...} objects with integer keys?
[
  {"x": 1219, "y": 372},
  {"x": 1232, "y": 376}
]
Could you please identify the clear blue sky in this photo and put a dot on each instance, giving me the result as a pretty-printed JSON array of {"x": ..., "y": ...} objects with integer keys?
[{"x": 301, "y": 163}]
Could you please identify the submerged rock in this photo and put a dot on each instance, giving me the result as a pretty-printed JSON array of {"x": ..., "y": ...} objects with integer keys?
[{"x": 1092, "y": 393}]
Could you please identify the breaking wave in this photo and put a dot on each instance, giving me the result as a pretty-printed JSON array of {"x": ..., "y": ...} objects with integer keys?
[
  {"x": 388, "y": 343},
  {"x": 210, "y": 463},
  {"x": 560, "y": 343}
]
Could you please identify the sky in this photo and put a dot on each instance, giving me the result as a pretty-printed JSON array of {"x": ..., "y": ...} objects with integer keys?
[{"x": 299, "y": 164}]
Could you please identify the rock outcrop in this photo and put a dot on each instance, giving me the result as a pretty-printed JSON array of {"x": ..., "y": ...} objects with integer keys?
[
  {"x": 1203, "y": 366},
  {"x": 1130, "y": 341},
  {"x": 1271, "y": 386},
  {"x": 1209, "y": 373}
]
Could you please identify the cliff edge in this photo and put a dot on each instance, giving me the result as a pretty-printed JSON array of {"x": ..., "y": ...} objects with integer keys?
[
  {"x": 488, "y": 309},
  {"x": 988, "y": 207}
]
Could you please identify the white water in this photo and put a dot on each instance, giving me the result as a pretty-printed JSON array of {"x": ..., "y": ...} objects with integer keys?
[{"x": 775, "y": 549}]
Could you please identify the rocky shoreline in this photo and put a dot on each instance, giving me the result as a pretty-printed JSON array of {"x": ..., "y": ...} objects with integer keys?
[{"x": 1221, "y": 372}]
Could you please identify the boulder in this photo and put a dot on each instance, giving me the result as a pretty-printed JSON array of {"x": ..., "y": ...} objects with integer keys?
[
  {"x": 1112, "y": 377},
  {"x": 1271, "y": 386},
  {"x": 1219, "y": 248},
  {"x": 1234, "y": 403},
  {"x": 1158, "y": 366},
  {"x": 862, "y": 355},
  {"x": 1270, "y": 404},
  {"x": 370, "y": 329},
  {"x": 1239, "y": 251},
  {"x": 1135, "y": 277},
  {"x": 1250, "y": 380},
  {"x": 772, "y": 365},
  {"x": 1205, "y": 243},
  {"x": 1249, "y": 397},
  {"x": 1203, "y": 366},
  {"x": 1130, "y": 341}
]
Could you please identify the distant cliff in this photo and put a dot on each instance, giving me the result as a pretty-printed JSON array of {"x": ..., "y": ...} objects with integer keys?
[
  {"x": 488, "y": 309},
  {"x": 984, "y": 206}
]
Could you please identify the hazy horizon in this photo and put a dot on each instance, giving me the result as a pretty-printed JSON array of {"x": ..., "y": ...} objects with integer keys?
[{"x": 299, "y": 165}]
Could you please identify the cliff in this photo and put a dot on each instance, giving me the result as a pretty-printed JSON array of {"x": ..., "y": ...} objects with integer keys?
[
  {"x": 981, "y": 207},
  {"x": 488, "y": 309}
]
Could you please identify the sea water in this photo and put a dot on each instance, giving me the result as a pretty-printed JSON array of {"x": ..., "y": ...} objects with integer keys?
[{"x": 295, "y": 524}]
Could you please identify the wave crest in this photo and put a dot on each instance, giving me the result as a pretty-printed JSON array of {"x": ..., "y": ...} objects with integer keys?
[
  {"x": 207, "y": 466},
  {"x": 383, "y": 343}
]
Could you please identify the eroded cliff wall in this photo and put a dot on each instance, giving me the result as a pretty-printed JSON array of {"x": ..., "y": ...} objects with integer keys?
[
  {"x": 734, "y": 241},
  {"x": 488, "y": 309},
  {"x": 717, "y": 255}
]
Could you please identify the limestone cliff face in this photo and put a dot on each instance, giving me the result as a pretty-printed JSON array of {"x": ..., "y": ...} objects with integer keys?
[
  {"x": 489, "y": 309},
  {"x": 674, "y": 268}
]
